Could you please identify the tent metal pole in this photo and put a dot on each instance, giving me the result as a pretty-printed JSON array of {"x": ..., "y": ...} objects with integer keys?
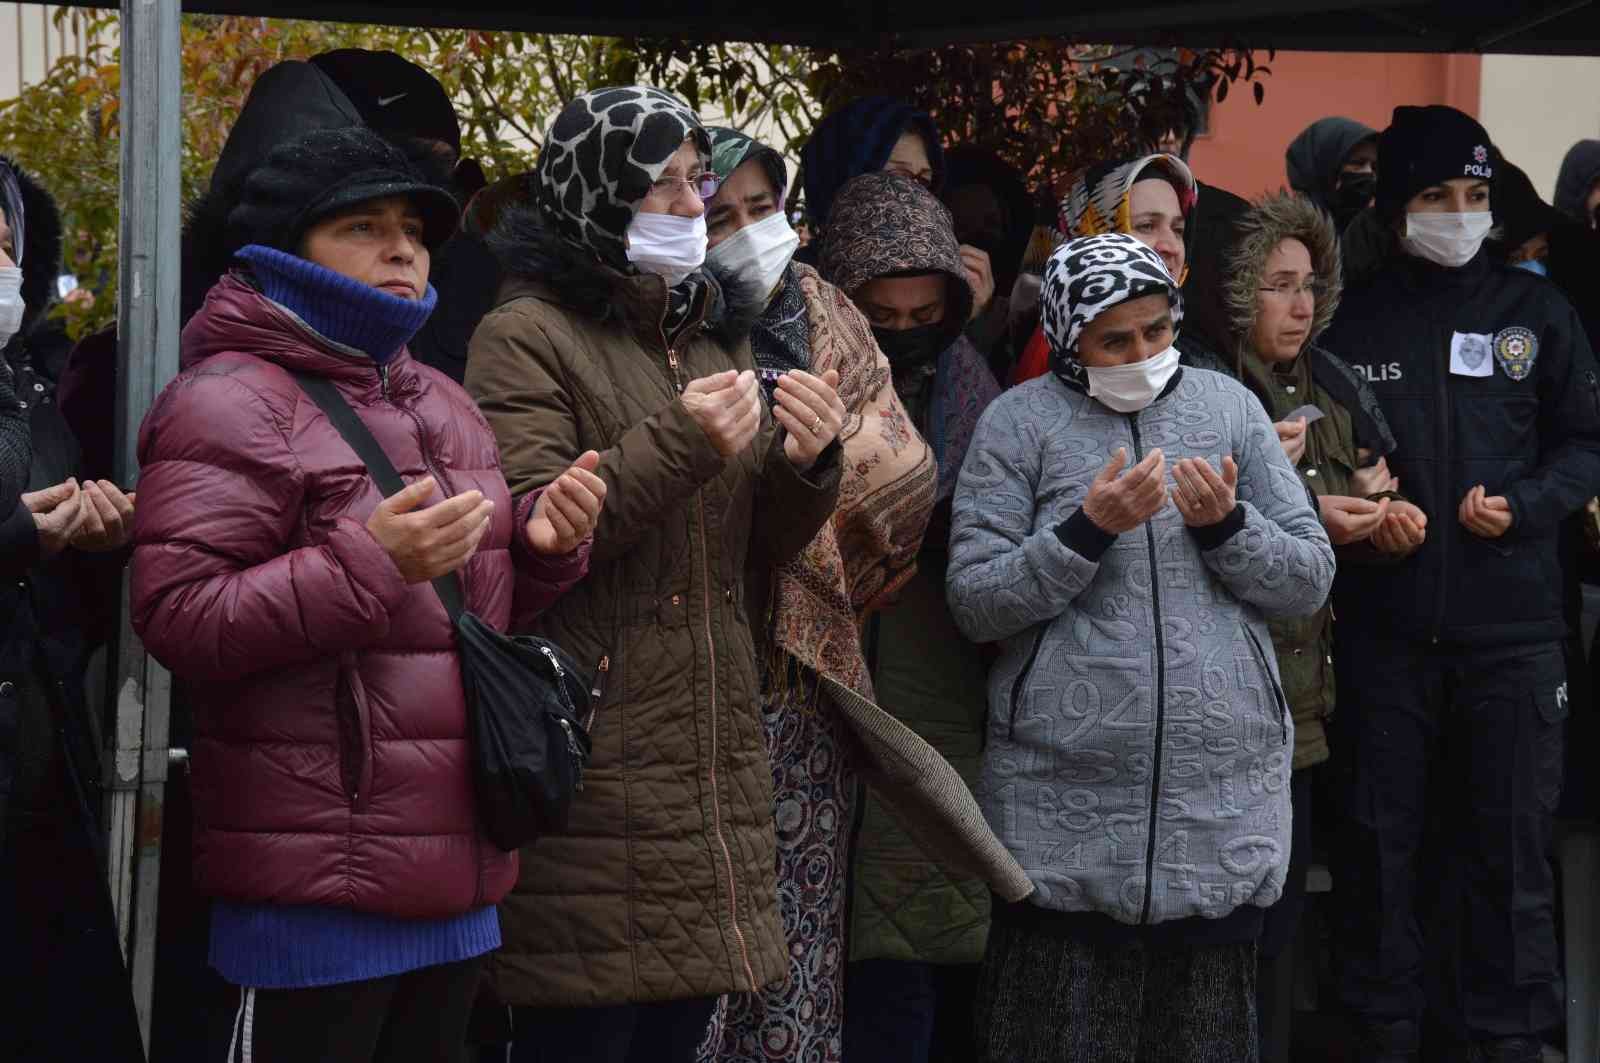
[{"x": 147, "y": 357}]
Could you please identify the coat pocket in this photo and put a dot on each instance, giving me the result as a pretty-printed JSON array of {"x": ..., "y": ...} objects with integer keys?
[
  {"x": 355, "y": 733},
  {"x": 1019, "y": 684},
  {"x": 1260, "y": 655}
]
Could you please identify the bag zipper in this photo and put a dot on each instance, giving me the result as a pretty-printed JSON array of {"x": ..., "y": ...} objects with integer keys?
[{"x": 573, "y": 750}]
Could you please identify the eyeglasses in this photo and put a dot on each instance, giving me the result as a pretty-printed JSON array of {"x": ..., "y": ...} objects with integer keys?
[
  {"x": 704, "y": 185},
  {"x": 1289, "y": 289}
]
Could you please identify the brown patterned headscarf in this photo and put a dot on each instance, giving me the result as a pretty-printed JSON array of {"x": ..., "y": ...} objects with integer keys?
[{"x": 885, "y": 225}]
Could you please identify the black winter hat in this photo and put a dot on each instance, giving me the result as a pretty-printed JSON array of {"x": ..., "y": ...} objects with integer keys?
[
  {"x": 1425, "y": 146},
  {"x": 301, "y": 182},
  {"x": 395, "y": 96}
]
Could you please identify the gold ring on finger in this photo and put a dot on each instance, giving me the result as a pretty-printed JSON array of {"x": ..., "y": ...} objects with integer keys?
[{"x": 816, "y": 426}]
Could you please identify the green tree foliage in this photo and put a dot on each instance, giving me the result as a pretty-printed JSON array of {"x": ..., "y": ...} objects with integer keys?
[{"x": 1048, "y": 107}]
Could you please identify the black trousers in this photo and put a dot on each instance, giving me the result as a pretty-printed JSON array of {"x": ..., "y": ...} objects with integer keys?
[
  {"x": 665, "y": 1032},
  {"x": 416, "y": 1017},
  {"x": 901, "y": 1011},
  {"x": 1280, "y": 935},
  {"x": 1048, "y": 999},
  {"x": 1451, "y": 765}
]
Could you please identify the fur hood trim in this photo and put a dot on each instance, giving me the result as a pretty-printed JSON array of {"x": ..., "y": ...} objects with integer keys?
[
  {"x": 1269, "y": 222},
  {"x": 41, "y": 252}
]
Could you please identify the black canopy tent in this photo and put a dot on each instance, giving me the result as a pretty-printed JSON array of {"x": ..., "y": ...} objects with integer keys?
[
  {"x": 150, "y": 210},
  {"x": 1545, "y": 27}
]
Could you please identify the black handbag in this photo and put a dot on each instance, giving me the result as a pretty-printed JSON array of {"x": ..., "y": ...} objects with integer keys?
[{"x": 524, "y": 698}]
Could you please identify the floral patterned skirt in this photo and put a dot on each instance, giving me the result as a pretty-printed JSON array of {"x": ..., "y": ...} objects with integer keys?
[{"x": 800, "y": 1020}]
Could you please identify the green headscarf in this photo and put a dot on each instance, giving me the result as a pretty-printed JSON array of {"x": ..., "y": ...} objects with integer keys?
[{"x": 731, "y": 149}]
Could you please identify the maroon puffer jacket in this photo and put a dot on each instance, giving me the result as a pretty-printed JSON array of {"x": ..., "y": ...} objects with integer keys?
[{"x": 330, "y": 757}]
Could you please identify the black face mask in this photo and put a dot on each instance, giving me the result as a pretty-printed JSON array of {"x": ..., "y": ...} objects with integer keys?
[
  {"x": 906, "y": 348},
  {"x": 1352, "y": 194}
]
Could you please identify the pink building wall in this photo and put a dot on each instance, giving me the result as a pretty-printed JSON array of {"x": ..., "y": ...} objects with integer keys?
[{"x": 1243, "y": 152}]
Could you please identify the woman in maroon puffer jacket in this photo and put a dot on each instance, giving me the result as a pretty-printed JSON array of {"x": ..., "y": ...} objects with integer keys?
[{"x": 335, "y": 821}]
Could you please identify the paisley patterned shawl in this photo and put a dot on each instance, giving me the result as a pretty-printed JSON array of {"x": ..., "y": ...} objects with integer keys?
[{"x": 886, "y": 495}]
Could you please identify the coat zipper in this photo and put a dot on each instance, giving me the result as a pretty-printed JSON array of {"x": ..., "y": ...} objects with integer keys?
[
  {"x": 1161, "y": 697},
  {"x": 1442, "y": 414},
  {"x": 444, "y": 488},
  {"x": 1022, "y": 678},
  {"x": 716, "y": 801},
  {"x": 597, "y": 690}
]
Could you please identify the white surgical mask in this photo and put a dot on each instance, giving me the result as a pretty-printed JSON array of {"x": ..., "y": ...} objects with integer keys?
[
  {"x": 667, "y": 245},
  {"x": 1447, "y": 239},
  {"x": 11, "y": 304},
  {"x": 758, "y": 254},
  {"x": 1130, "y": 388}
]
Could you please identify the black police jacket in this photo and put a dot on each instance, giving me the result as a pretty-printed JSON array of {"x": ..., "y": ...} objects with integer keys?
[{"x": 1486, "y": 377}]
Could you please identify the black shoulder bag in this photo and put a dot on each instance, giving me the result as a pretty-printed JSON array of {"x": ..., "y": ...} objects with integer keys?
[{"x": 524, "y": 698}]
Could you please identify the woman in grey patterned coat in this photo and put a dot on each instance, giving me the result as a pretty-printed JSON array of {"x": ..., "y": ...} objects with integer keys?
[{"x": 1125, "y": 528}]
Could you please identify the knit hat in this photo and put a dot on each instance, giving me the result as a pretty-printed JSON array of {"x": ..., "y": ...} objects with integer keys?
[
  {"x": 395, "y": 96},
  {"x": 327, "y": 171},
  {"x": 858, "y": 139},
  {"x": 1425, "y": 146},
  {"x": 1086, "y": 277}
]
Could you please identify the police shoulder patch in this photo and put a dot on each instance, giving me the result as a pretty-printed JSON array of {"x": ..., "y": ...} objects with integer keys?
[{"x": 1516, "y": 349}]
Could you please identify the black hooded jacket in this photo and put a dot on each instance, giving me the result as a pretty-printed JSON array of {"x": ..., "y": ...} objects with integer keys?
[
  {"x": 1529, "y": 431},
  {"x": 56, "y": 921},
  {"x": 1315, "y": 156},
  {"x": 1579, "y": 171},
  {"x": 42, "y": 603}
]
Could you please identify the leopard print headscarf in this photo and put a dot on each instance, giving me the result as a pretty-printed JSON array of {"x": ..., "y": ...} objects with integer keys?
[
  {"x": 601, "y": 155},
  {"x": 1088, "y": 276}
]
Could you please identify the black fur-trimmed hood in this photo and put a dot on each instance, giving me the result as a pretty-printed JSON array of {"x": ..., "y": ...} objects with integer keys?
[
  {"x": 41, "y": 250},
  {"x": 531, "y": 250}
]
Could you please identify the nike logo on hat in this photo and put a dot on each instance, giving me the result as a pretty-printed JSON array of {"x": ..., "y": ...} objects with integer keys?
[{"x": 384, "y": 101}]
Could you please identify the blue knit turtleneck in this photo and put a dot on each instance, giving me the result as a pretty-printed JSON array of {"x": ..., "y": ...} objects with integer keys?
[{"x": 339, "y": 308}]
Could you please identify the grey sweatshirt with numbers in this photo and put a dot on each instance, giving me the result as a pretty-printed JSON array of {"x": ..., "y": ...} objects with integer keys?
[{"x": 1139, "y": 750}]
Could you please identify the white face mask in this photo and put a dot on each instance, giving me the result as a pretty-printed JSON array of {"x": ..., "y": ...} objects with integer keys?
[
  {"x": 1130, "y": 388},
  {"x": 667, "y": 245},
  {"x": 11, "y": 304},
  {"x": 758, "y": 254},
  {"x": 1447, "y": 239}
]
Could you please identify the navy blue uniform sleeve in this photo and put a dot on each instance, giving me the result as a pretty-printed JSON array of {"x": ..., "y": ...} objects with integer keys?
[
  {"x": 19, "y": 539},
  {"x": 1568, "y": 474}
]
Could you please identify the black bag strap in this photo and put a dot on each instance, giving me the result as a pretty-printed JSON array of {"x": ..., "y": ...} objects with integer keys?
[{"x": 367, "y": 448}]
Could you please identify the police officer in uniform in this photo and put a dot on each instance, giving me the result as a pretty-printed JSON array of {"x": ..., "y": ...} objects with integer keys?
[{"x": 1450, "y": 663}]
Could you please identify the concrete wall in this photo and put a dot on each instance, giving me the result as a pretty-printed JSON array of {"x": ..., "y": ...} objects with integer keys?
[
  {"x": 1536, "y": 106},
  {"x": 31, "y": 40},
  {"x": 1244, "y": 150}
]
